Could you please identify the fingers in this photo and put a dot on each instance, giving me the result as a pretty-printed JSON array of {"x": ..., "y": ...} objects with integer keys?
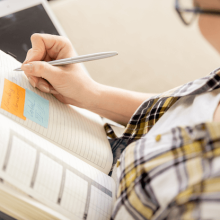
[
  {"x": 49, "y": 47},
  {"x": 38, "y": 50},
  {"x": 33, "y": 80},
  {"x": 57, "y": 47},
  {"x": 42, "y": 85},
  {"x": 46, "y": 47},
  {"x": 39, "y": 69}
]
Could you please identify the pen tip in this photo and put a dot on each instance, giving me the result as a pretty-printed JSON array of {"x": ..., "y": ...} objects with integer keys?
[{"x": 17, "y": 69}]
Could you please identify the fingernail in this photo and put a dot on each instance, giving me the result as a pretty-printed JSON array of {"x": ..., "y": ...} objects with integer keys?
[
  {"x": 54, "y": 92},
  {"x": 43, "y": 88},
  {"x": 27, "y": 67},
  {"x": 32, "y": 82}
]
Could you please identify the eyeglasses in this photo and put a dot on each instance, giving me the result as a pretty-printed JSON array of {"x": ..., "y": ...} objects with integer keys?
[{"x": 188, "y": 9}]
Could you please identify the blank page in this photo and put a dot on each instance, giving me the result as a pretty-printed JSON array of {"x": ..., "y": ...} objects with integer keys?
[
  {"x": 76, "y": 130},
  {"x": 75, "y": 189}
]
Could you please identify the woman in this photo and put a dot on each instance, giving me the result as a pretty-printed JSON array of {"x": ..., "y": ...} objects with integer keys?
[{"x": 170, "y": 168}]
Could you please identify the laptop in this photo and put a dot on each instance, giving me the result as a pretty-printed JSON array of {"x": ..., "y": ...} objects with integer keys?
[{"x": 19, "y": 20}]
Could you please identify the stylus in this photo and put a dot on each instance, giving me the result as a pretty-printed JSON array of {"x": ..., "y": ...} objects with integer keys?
[{"x": 80, "y": 59}]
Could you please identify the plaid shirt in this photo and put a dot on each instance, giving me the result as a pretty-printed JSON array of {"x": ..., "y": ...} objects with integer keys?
[{"x": 175, "y": 175}]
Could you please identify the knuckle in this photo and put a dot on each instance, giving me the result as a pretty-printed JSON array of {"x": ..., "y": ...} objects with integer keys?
[
  {"x": 44, "y": 69},
  {"x": 38, "y": 68},
  {"x": 30, "y": 51},
  {"x": 34, "y": 36},
  {"x": 65, "y": 39},
  {"x": 41, "y": 67}
]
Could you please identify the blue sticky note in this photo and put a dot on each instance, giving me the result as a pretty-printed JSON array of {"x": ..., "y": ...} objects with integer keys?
[{"x": 36, "y": 108}]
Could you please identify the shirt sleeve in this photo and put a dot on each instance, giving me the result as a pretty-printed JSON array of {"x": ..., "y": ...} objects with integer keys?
[{"x": 151, "y": 110}]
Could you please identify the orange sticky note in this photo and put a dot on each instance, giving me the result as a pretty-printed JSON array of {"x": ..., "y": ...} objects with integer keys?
[{"x": 13, "y": 99}]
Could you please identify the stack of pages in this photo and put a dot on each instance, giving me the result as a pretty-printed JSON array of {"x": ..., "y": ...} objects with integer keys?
[{"x": 53, "y": 172}]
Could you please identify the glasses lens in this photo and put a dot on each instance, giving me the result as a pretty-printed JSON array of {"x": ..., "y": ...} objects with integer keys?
[{"x": 187, "y": 15}]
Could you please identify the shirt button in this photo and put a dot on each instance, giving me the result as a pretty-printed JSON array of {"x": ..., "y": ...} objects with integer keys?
[
  {"x": 158, "y": 137},
  {"x": 118, "y": 163}
]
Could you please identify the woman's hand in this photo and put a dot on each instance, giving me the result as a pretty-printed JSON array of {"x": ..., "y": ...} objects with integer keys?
[{"x": 70, "y": 84}]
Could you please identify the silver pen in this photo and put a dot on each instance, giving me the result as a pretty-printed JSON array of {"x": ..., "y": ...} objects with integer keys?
[{"x": 80, "y": 59}]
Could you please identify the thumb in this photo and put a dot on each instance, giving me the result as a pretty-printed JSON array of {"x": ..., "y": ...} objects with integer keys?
[
  {"x": 34, "y": 55},
  {"x": 38, "y": 50}
]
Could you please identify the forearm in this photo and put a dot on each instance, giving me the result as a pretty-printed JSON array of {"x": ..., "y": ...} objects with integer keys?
[{"x": 117, "y": 104}]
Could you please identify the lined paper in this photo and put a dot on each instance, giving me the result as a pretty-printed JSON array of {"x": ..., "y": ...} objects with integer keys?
[
  {"x": 48, "y": 180},
  {"x": 100, "y": 205},
  {"x": 16, "y": 166},
  {"x": 75, "y": 187},
  {"x": 76, "y": 130},
  {"x": 28, "y": 165}
]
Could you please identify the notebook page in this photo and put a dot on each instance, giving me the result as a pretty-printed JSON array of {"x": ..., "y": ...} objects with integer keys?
[
  {"x": 52, "y": 176},
  {"x": 14, "y": 203},
  {"x": 76, "y": 130}
]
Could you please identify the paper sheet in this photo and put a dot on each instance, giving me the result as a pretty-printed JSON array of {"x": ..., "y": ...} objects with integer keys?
[
  {"x": 13, "y": 99},
  {"x": 36, "y": 108},
  {"x": 76, "y": 130},
  {"x": 53, "y": 176}
]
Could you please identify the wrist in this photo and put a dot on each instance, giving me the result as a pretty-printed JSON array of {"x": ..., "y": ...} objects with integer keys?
[
  {"x": 89, "y": 98},
  {"x": 93, "y": 95}
]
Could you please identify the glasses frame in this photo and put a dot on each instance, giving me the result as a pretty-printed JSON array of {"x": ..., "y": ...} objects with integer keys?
[{"x": 195, "y": 11}]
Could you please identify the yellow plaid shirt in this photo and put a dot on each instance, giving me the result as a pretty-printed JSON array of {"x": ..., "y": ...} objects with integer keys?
[{"x": 175, "y": 175}]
